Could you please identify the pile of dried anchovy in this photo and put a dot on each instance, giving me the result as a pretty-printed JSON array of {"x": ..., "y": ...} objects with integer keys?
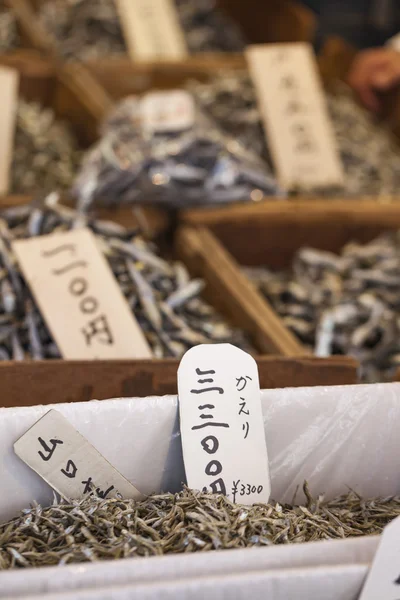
[
  {"x": 89, "y": 29},
  {"x": 46, "y": 154},
  {"x": 197, "y": 165},
  {"x": 9, "y": 38},
  {"x": 343, "y": 304},
  {"x": 165, "y": 300},
  {"x": 370, "y": 156},
  {"x": 93, "y": 529}
]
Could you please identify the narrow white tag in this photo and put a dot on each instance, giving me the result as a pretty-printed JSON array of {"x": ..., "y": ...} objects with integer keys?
[
  {"x": 68, "y": 463},
  {"x": 222, "y": 428},
  {"x": 167, "y": 111},
  {"x": 297, "y": 125},
  {"x": 79, "y": 297},
  {"x": 9, "y": 79},
  {"x": 383, "y": 580},
  {"x": 152, "y": 30}
]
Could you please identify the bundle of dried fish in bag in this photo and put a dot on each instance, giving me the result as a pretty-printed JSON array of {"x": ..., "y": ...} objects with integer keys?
[
  {"x": 343, "y": 304},
  {"x": 9, "y": 37},
  {"x": 369, "y": 153},
  {"x": 139, "y": 160},
  {"x": 46, "y": 153},
  {"x": 90, "y": 29},
  {"x": 93, "y": 529},
  {"x": 164, "y": 299}
]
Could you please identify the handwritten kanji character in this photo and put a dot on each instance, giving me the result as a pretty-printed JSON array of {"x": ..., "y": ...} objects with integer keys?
[
  {"x": 98, "y": 328},
  {"x": 88, "y": 485},
  {"x": 70, "y": 470},
  {"x": 47, "y": 448},
  {"x": 244, "y": 382}
]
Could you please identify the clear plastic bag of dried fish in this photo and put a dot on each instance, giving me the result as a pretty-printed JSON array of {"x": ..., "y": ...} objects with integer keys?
[
  {"x": 166, "y": 301},
  {"x": 9, "y": 37},
  {"x": 46, "y": 152},
  {"x": 369, "y": 152},
  {"x": 162, "y": 149},
  {"x": 90, "y": 29},
  {"x": 343, "y": 304}
]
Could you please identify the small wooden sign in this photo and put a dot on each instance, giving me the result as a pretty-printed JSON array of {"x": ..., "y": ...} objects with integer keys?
[
  {"x": 79, "y": 297},
  {"x": 222, "y": 427},
  {"x": 57, "y": 452},
  {"x": 9, "y": 80},
  {"x": 297, "y": 125},
  {"x": 152, "y": 30}
]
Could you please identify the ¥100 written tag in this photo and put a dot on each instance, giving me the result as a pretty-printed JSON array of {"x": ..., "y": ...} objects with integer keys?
[
  {"x": 9, "y": 101},
  {"x": 152, "y": 30},
  {"x": 383, "y": 580},
  {"x": 68, "y": 463},
  {"x": 222, "y": 429},
  {"x": 79, "y": 297},
  {"x": 293, "y": 108}
]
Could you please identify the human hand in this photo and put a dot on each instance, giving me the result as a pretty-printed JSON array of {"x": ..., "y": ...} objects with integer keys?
[{"x": 374, "y": 71}]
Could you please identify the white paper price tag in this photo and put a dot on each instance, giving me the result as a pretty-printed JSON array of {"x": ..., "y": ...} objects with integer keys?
[
  {"x": 297, "y": 125},
  {"x": 383, "y": 580},
  {"x": 167, "y": 111},
  {"x": 68, "y": 463},
  {"x": 152, "y": 30},
  {"x": 9, "y": 100},
  {"x": 222, "y": 429},
  {"x": 79, "y": 297}
]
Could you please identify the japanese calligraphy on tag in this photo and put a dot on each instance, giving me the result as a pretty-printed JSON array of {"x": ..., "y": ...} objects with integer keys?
[
  {"x": 167, "y": 111},
  {"x": 9, "y": 100},
  {"x": 68, "y": 463},
  {"x": 293, "y": 108},
  {"x": 383, "y": 580},
  {"x": 222, "y": 428},
  {"x": 152, "y": 30},
  {"x": 79, "y": 297}
]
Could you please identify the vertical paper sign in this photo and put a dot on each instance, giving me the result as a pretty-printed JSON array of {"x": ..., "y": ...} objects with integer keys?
[
  {"x": 222, "y": 428},
  {"x": 79, "y": 297},
  {"x": 296, "y": 121},
  {"x": 383, "y": 580},
  {"x": 9, "y": 102},
  {"x": 68, "y": 463},
  {"x": 152, "y": 30}
]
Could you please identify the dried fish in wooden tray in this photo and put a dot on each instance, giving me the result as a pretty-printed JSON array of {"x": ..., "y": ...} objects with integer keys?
[
  {"x": 9, "y": 35},
  {"x": 139, "y": 159},
  {"x": 93, "y": 529},
  {"x": 369, "y": 152},
  {"x": 91, "y": 29},
  {"x": 166, "y": 301},
  {"x": 331, "y": 273}
]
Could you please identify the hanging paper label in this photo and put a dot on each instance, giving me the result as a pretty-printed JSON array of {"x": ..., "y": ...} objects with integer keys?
[
  {"x": 68, "y": 463},
  {"x": 222, "y": 428},
  {"x": 293, "y": 108},
  {"x": 167, "y": 111},
  {"x": 9, "y": 100},
  {"x": 152, "y": 30},
  {"x": 383, "y": 580},
  {"x": 79, "y": 297}
]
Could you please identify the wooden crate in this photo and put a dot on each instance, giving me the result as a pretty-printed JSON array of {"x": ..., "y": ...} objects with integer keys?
[
  {"x": 48, "y": 382},
  {"x": 270, "y": 234}
]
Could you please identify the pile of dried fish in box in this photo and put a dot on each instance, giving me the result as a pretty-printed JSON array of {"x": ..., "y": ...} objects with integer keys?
[
  {"x": 9, "y": 38},
  {"x": 165, "y": 300},
  {"x": 89, "y": 29},
  {"x": 370, "y": 156},
  {"x": 178, "y": 168},
  {"x": 93, "y": 529},
  {"x": 46, "y": 154},
  {"x": 343, "y": 304}
]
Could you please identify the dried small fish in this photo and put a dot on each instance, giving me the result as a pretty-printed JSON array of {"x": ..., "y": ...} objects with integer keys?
[
  {"x": 9, "y": 37},
  {"x": 370, "y": 155},
  {"x": 88, "y": 29},
  {"x": 347, "y": 304},
  {"x": 197, "y": 165},
  {"x": 46, "y": 154},
  {"x": 165, "y": 301},
  {"x": 93, "y": 529}
]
